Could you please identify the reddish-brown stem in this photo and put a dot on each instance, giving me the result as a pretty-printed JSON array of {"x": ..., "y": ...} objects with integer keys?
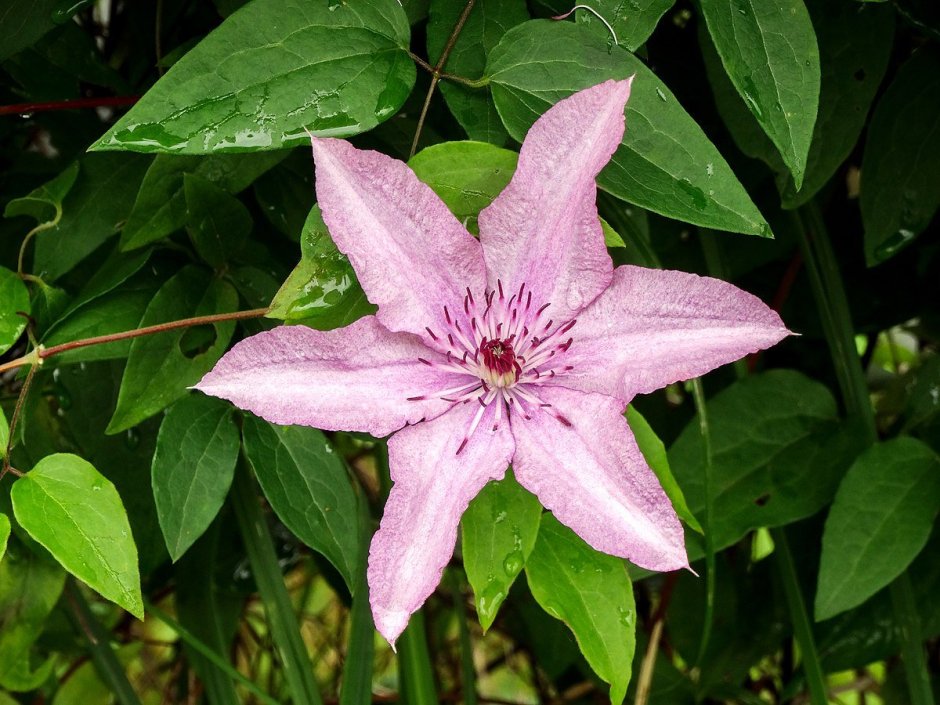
[
  {"x": 43, "y": 353},
  {"x": 780, "y": 298},
  {"x": 75, "y": 104}
]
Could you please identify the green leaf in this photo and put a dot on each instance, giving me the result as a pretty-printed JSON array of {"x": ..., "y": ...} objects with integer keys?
[
  {"x": 769, "y": 51},
  {"x": 591, "y": 593},
  {"x": 161, "y": 366},
  {"x": 4, "y": 434},
  {"x": 14, "y": 298},
  {"x": 900, "y": 188},
  {"x": 498, "y": 531},
  {"x": 193, "y": 468},
  {"x": 880, "y": 520},
  {"x": 655, "y": 453},
  {"x": 23, "y": 23},
  {"x": 485, "y": 26},
  {"x": 44, "y": 204},
  {"x": 92, "y": 212},
  {"x": 308, "y": 488},
  {"x": 4, "y": 534},
  {"x": 665, "y": 162},
  {"x": 270, "y": 70},
  {"x": 218, "y": 223},
  {"x": 854, "y": 49},
  {"x": 21, "y": 677},
  {"x": 77, "y": 515},
  {"x": 772, "y": 463},
  {"x": 467, "y": 176},
  {"x": 30, "y": 586},
  {"x": 322, "y": 291},
  {"x": 632, "y": 22},
  {"x": 160, "y": 208}
]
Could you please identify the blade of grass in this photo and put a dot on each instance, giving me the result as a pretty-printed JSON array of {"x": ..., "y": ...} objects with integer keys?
[
  {"x": 285, "y": 630},
  {"x": 357, "y": 669},
  {"x": 468, "y": 674},
  {"x": 98, "y": 641},
  {"x": 415, "y": 675}
]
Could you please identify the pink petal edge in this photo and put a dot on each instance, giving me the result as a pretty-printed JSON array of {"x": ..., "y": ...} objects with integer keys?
[
  {"x": 433, "y": 487},
  {"x": 411, "y": 255},
  {"x": 357, "y": 378},
  {"x": 593, "y": 478},
  {"x": 543, "y": 229}
]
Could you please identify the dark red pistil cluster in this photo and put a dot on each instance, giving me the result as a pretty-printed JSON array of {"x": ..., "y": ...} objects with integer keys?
[{"x": 499, "y": 357}]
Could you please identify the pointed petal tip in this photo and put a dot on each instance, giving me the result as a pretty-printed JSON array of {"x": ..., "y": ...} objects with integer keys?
[{"x": 390, "y": 623}]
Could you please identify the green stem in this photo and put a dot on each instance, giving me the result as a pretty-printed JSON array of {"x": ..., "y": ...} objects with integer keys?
[
  {"x": 802, "y": 628},
  {"x": 826, "y": 282},
  {"x": 99, "y": 646},
  {"x": 468, "y": 672},
  {"x": 285, "y": 630},
  {"x": 218, "y": 661},
  {"x": 698, "y": 394},
  {"x": 915, "y": 664},
  {"x": 415, "y": 675},
  {"x": 357, "y": 669}
]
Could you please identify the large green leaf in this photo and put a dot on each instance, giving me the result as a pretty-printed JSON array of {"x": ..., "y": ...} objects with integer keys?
[
  {"x": 192, "y": 468},
  {"x": 24, "y": 22},
  {"x": 485, "y": 26},
  {"x": 44, "y": 203},
  {"x": 308, "y": 488},
  {"x": 218, "y": 223},
  {"x": 591, "y": 593},
  {"x": 900, "y": 189},
  {"x": 160, "y": 207},
  {"x": 93, "y": 211},
  {"x": 322, "y": 291},
  {"x": 30, "y": 586},
  {"x": 498, "y": 532},
  {"x": 77, "y": 515},
  {"x": 769, "y": 51},
  {"x": 632, "y": 22},
  {"x": 880, "y": 520},
  {"x": 270, "y": 70},
  {"x": 665, "y": 162},
  {"x": 14, "y": 299},
  {"x": 161, "y": 366},
  {"x": 778, "y": 453}
]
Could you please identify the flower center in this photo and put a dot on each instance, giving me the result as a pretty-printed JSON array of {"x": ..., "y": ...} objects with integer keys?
[{"x": 499, "y": 362}]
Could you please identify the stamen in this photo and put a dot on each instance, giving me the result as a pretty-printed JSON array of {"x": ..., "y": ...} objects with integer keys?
[{"x": 431, "y": 333}]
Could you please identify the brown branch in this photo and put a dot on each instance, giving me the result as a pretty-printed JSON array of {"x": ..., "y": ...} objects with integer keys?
[{"x": 75, "y": 104}]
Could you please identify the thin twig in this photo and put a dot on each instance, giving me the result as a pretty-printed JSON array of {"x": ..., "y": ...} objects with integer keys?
[
  {"x": 136, "y": 333},
  {"x": 24, "y": 390},
  {"x": 76, "y": 104},
  {"x": 436, "y": 74}
]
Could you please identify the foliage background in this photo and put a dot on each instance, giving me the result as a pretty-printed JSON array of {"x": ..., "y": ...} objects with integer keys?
[{"x": 812, "y": 469}]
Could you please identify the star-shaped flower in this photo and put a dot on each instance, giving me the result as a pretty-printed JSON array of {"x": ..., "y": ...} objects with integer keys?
[{"x": 522, "y": 347}]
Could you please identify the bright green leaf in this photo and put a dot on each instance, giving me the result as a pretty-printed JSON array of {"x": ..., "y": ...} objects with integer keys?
[
  {"x": 4, "y": 434},
  {"x": 591, "y": 593},
  {"x": 77, "y": 515},
  {"x": 322, "y": 291},
  {"x": 30, "y": 586},
  {"x": 900, "y": 189},
  {"x": 632, "y": 22},
  {"x": 880, "y": 520},
  {"x": 4, "y": 534},
  {"x": 21, "y": 677},
  {"x": 769, "y": 51},
  {"x": 485, "y": 26},
  {"x": 665, "y": 162},
  {"x": 192, "y": 468},
  {"x": 772, "y": 463},
  {"x": 308, "y": 488},
  {"x": 498, "y": 531},
  {"x": 14, "y": 298},
  {"x": 93, "y": 211},
  {"x": 44, "y": 204},
  {"x": 655, "y": 453},
  {"x": 161, "y": 366},
  {"x": 218, "y": 223},
  {"x": 270, "y": 70},
  {"x": 160, "y": 208}
]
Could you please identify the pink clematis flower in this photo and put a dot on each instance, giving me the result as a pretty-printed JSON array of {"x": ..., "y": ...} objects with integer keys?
[{"x": 523, "y": 347}]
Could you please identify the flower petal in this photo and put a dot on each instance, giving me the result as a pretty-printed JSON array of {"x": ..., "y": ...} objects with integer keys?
[
  {"x": 412, "y": 256},
  {"x": 433, "y": 486},
  {"x": 655, "y": 327},
  {"x": 357, "y": 378},
  {"x": 594, "y": 479},
  {"x": 543, "y": 229}
]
